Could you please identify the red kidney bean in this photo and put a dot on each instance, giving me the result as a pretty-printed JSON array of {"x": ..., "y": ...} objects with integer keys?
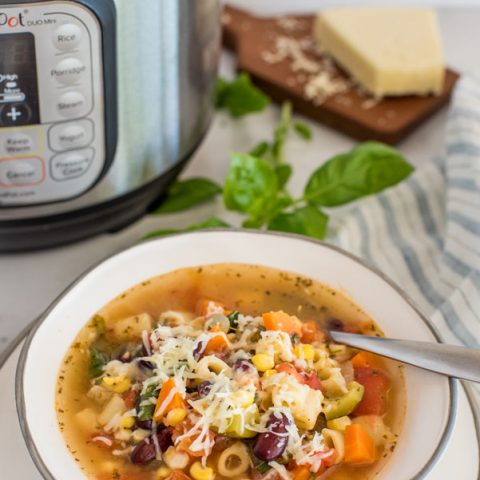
[
  {"x": 335, "y": 324},
  {"x": 204, "y": 388},
  {"x": 270, "y": 445},
  {"x": 243, "y": 366},
  {"x": 143, "y": 453},
  {"x": 164, "y": 436},
  {"x": 144, "y": 424},
  {"x": 198, "y": 350}
]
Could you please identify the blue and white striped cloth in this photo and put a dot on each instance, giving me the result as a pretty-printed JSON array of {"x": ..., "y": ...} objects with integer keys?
[{"x": 425, "y": 233}]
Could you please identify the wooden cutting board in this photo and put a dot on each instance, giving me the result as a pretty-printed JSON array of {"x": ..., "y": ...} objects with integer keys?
[{"x": 255, "y": 41}]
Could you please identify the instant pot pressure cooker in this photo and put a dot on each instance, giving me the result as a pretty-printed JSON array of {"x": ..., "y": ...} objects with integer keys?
[{"x": 101, "y": 104}]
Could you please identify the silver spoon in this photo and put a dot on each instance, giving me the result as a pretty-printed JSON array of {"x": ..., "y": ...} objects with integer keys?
[{"x": 458, "y": 362}]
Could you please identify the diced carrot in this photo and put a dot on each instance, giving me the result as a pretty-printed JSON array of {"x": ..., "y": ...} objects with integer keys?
[
  {"x": 175, "y": 402},
  {"x": 376, "y": 384},
  {"x": 302, "y": 472},
  {"x": 311, "y": 332},
  {"x": 291, "y": 370},
  {"x": 209, "y": 307},
  {"x": 364, "y": 359},
  {"x": 216, "y": 344},
  {"x": 130, "y": 399},
  {"x": 359, "y": 446},
  {"x": 282, "y": 321},
  {"x": 178, "y": 475}
]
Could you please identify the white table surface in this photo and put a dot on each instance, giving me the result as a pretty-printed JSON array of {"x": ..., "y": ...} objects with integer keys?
[{"x": 30, "y": 281}]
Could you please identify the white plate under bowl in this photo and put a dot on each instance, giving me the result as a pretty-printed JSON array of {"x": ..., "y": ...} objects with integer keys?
[{"x": 431, "y": 399}]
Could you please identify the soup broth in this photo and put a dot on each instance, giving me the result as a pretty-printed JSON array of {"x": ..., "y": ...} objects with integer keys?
[{"x": 99, "y": 399}]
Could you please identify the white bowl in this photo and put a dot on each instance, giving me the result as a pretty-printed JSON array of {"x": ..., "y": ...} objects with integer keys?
[{"x": 431, "y": 399}]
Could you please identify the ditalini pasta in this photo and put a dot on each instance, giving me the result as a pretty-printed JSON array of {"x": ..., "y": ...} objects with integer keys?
[{"x": 227, "y": 372}]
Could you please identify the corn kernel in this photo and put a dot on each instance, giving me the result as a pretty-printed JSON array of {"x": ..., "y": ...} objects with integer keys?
[
  {"x": 263, "y": 362},
  {"x": 117, "y": 384},
  {"x": 163, "y": 472},
  {"x": 304, "y": 351},
  {"x": 127, "y": 422},
  {"x": 199, "y": 472},
  {"x": 269, "y": 373},
  {"x": 175, "y": 416},
  {"x": 243, "y": 398}
]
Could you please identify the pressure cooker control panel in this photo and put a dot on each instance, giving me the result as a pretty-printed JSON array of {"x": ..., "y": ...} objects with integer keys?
[{"x": 52, "y": 123}]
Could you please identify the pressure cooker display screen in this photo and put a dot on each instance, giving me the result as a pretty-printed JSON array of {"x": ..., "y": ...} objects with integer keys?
[{"x": 18, "y": 80}]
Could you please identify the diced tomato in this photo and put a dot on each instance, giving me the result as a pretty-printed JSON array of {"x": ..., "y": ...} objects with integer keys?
[
  {"x": 311, "y": 333},
  {"x": 377, "y": 384},
  {"x": 311, "y": 379},
  {"x": 302, "y": 472},
  {"x": 130, "y": 399},
  {"x": 290, "y": 370}
]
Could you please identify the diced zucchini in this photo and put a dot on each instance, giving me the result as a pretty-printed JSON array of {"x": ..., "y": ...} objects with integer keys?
[
  {"x": 344, "y": 405},
  {"x": 236, "y": 428}
]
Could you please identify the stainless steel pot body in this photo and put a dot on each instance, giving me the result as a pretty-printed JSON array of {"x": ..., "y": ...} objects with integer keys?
[{"x": 166, "y": 56}]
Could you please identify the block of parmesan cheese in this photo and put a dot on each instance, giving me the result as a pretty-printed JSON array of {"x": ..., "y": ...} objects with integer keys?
[{"x": 388, "y": 51}]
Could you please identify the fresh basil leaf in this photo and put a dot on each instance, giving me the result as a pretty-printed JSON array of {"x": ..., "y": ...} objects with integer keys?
[
  {"x": 98, "y": 360},
  {"x": 251, "y": 185},
  {"x": 308, "y": 220},
  {"x": 185, "y": 194},
  {"x": 239, "y": 96},
  {"x": 260, "y": 149},
  {"x": 284, "y": 172},
  {"x": 146, "y": 411},
  {"x": 369, "y": 168},
  {"x": 212, "y": 222},
  {"x": 303, "y": 130}
]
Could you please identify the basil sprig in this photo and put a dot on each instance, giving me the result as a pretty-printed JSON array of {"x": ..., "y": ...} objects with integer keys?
[{"x": 256, "y": 182}]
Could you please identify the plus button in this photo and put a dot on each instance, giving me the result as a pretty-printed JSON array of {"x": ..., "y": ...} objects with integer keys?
[{"x": 13, "y": 114}]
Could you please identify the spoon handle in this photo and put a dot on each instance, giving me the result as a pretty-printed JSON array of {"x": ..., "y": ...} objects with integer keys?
[{"x": 451, "y": 360}]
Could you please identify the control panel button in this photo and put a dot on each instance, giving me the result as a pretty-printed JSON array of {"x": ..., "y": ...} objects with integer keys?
[
  {"x": 67, "y": 37},
  {"x": 70, "y": 165},
  {"x": 68, "y": 71},
  {"x": 66, "y": 136},
  {"x": 14, "y": 114},
  {"x": 18, "y": 144},
  {"x": 22, "y": 172},
  {"x": 72, "y": 104}
]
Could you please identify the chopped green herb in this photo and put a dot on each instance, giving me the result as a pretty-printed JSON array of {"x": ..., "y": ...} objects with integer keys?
[
  {"x": 233, "y": 319},
  {"x": 146, "y": 411},
  {"x": 98, "y": 360}
]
